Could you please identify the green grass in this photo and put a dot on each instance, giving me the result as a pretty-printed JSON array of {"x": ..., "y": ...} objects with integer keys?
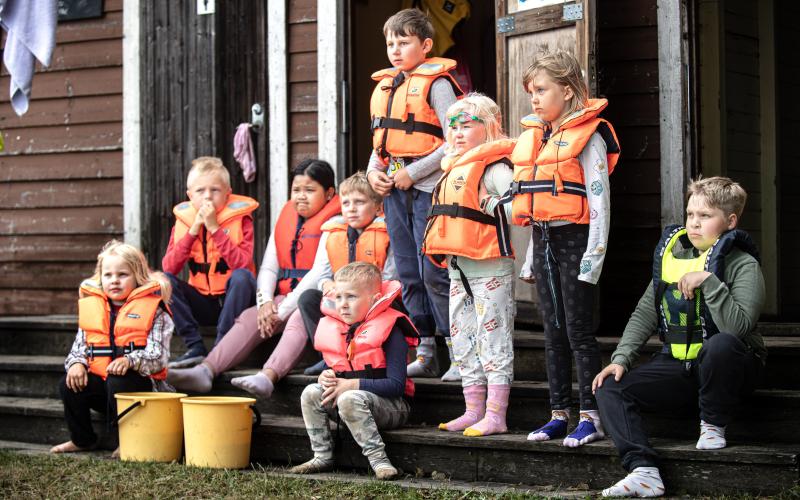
[{"x": 47, "y": 476}]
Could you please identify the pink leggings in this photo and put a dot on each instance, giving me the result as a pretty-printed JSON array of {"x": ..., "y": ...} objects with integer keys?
[{"x": 243, "y": 337}]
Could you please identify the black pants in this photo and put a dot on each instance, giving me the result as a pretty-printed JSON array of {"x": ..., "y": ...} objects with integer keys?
[
  {"x": 309, "y": 306},
  {"x": 98, "y": 395},
  {"x": 567, "y": 306},
  {"x": 724, "y": 372}
]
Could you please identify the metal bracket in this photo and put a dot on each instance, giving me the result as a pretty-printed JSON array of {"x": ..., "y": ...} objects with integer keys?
[
  {"x": 572, "y": 12},
  {"x": 257, "y": 117},
  {"x": 205, "y": 7},
  {"x": 505, "y": 24}
]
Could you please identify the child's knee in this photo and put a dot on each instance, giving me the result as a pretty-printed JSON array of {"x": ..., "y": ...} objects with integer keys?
[
  {"x": 240, "y": 278},
  {"x": 311, "y": 394},
  {"x": 349, "y": 404}
]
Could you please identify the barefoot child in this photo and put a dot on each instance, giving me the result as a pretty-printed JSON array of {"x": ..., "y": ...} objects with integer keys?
[
  {"x": 126, "y": 298},
  {"x": 562, "y": 163},
  {"x": 365, "y": 342},
  {"x": 708, "y": 292},
  {"x": 468, "y": 232}
]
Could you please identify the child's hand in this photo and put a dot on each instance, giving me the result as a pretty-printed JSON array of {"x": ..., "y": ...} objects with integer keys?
[
  {"x": 331, "y": 394},
  {"x": 327, "y": 378},
  {"x": 119, "y": 366},
  {"x": 77, "y": 377},
  {"x": 613, "y": 369},
  {"x": 197, "y": 224},
  {"x": 402, "y": 180},
  {"x": 209, "y": 213},
  {"x": 690, "y": 281},
  {"x": 267, "y": 315},
  {"x": 380, "y": 182},
  {"x": 328, "y": 287},
  {"x": 529, "y": 279}
]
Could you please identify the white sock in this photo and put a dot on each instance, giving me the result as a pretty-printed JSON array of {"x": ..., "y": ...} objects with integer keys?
[
  {"x": 712, "y": 437},
  {"x": 195, "y": 379},
  {"x": 581, "y": 435},
  {"x": 258, "y": 384},
  {"x": 643, "y": 482}
]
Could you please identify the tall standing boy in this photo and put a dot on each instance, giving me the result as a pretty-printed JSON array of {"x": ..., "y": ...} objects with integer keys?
[
  {"x": 213, "y": 235},
  {"x": 408, "y": 109}
]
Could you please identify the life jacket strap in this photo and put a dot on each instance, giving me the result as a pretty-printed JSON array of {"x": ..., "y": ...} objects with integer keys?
[
  {"x": 113, "y": 351},
  {"x": 547, "y": 186},
  {"x": 409, "y": 126},
  {"x": 285, "y": 274},
  {"x": 457, "y": 211},
  {"x": 368, "y": 372},
  {"x": 204, "y": 267}
]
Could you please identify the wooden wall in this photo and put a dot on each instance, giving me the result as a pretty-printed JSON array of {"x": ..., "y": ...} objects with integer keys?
[
  {"x": 301, "y": 17},
  {"x": 628, "y": 77},
  {"x": 61, "y": 172},
  {"x": 787, "y": 68}
]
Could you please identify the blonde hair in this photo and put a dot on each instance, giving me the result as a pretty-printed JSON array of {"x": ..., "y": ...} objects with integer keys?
[
  {"x": 208, "y": 165},
  {"x": 358, "y": 183},
  {"x": 487, "y": 111},
  {"x": 135, "y": 259},
  {"x": 565, "y": 70},
  {"x": 720, "y": 192},
  {"x": 360, "y": 274}
]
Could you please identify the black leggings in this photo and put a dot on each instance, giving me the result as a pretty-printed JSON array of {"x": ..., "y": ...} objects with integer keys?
[{"x": 567, "y": 307}]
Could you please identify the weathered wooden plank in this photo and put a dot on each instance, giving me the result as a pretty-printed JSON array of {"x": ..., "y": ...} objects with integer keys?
[
  {"x": 104, "y": 136},
  {"x": 614, "y": 14},
  {"x": 629, "y": 44},
  {"x": 103, "y": 28},
  {"x": 44, "y": 275},
  {"x": 66, "y": 111},
  {"x": 89, "y": 220},
  {"x": 36, "y": 302},
  {"x": 640, "y": 143},
  {"x": 90, "y": 54},
  {"x": 49, "y": 248},
  {"x": 70, "y": 83},
  {"x": 301, "y": 11},
  {"x": 303, "y": 67},
  {"x": 52, "y": 194},
  {"x": 639, "y": 77},
  {"x": 302, "y": 37},
  {"x": 112, "y": 5},
  {"x": 639, "y": 110},
  {"x": 64, "y": 166},
  {"x": 303, "y": 127},
  {"x": 299, "y": 151},
  {"x": 303, "y": 97}
]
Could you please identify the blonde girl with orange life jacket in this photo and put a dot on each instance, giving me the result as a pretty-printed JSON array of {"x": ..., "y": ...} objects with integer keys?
[
  {"x": 292, "y": 264},
  {"x": 561, "y": 187},
  {"x": 468, "y": 233},
  {"x": 122, "y": 345}
]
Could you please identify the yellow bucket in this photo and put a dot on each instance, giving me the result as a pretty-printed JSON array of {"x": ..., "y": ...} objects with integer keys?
[
  {"x": 217, "y": 430},
  {"x": 150, "y": 426}
]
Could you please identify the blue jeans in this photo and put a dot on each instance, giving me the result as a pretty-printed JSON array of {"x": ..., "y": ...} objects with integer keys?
[
  {"x": 191, "y": 309},
  {"x": 426, "y": 287}
]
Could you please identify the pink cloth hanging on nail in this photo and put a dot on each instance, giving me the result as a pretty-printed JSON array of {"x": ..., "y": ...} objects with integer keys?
[{"x": 243, "y": 151}]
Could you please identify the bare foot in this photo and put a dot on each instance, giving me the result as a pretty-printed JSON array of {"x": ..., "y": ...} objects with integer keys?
[
  {"x": 115, "y": 453},
  {"x": 68, "y": 447}
]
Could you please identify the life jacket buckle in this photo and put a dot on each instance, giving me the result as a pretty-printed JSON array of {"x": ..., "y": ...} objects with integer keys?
[{"x": 687, "y": 368}]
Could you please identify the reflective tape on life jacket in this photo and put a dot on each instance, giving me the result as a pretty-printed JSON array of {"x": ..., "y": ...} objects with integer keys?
[
  {"x": 549, "y": 184},
  {"x": 456, "y": 224},
  {"x": 402, "y": 121},
  {"x": 208, "y": 271},
  {"x": 345, "y": 245},
  {"x": 134, "y": 320},
  {"x": 685, "y": 323},
  {"x": 356, "y": 351},
  {"x": 296, "y": 242}
]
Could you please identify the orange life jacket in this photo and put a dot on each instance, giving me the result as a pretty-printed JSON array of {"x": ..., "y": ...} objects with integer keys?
[
  {"x": 208, "y": 271},
  {"x": 372, "y": 245},
  {"x": 297, "y": 244},
  {"x": 548, "y": 178},
  {"x": 133, "y": 322},
  {"x": 359, "y": 353},
  {"x": 456, "y": 223},
  {"x": 403, "y": 123}
]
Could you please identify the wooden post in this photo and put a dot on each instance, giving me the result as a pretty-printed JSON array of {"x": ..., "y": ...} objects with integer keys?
[
  {"x": 673, "y": 101},
  {"x": 131, "y": 124},
  {"x": 278, "y": 106},
  {"x": 328, "y": 77}
]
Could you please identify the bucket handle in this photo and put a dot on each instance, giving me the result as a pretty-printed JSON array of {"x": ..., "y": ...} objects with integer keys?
[
  {"x": 127, "y": 410},
  {"x": 257, "y": 414}
]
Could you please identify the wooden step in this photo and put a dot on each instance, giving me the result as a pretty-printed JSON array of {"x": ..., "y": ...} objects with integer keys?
[{"x": 754, "y": 469}]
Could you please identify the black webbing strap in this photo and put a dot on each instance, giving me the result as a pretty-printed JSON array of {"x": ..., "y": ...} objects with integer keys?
[
  {"x": 464, "y": 281},
  {"x": 113, "y": 351},
  {"x": 409, "y": 126},
  {"x": 368, "y": 372},
  {"x": 352, "y": 243},
  {"x": 659, "y": 295},
  {"x": 285, "y": 274},
  {"x": 201, "y": 267},
  {"x": 547, "y": 186},
  {"x": 458, "y": 211}
]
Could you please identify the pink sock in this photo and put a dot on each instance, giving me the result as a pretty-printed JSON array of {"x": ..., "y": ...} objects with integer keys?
[
  {"x": 496, "y": 406},
  {"x": 475, "y": 399}
]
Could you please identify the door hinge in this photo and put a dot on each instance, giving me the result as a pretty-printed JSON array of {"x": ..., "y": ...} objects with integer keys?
[
  {"x": 505, "y": 24},
  {"x": 572, "y": 12}
]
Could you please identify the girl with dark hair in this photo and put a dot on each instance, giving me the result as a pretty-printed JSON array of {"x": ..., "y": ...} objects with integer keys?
[{"x": 290, "y": 267}]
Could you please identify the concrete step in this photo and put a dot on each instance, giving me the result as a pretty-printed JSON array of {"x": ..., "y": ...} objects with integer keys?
[{"x": 505, "y": 458}]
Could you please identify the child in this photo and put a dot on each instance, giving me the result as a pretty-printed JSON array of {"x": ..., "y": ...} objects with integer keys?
[
  {"x": 365, "y": 342},
  {"x": 468, "y": 229},
  {"x": 708, "y": 291},
  {"x": 126, "y": 298},
  {"x": 359, "y": 234},
  {"x": 213, "y": 234},
  {"x": 291, "y": 265},
  {"x": 562, "y": 163},
  {"x": 407, "y": 110}
]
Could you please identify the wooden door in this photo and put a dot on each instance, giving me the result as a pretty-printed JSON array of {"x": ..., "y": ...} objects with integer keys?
[{"x": 525, "y": 28}]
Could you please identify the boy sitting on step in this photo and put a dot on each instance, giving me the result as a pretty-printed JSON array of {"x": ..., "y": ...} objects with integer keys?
[
  {"x": 365, "y": 343},
  {"x": 704, "y": 299}
]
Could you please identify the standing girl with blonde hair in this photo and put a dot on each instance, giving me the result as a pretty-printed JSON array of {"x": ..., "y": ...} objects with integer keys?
[
  {"x": 562, "y": 163},
  {"x": 122, "y": 345},
  {"x": 468, "y": 233}
]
